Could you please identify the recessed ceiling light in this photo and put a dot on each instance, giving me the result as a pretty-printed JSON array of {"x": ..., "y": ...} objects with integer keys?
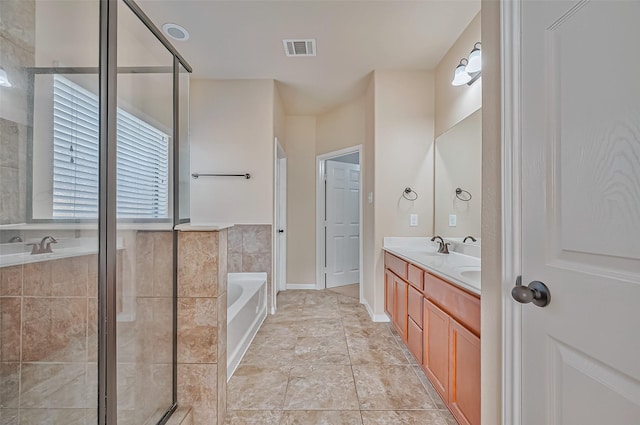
[{"x": 175, "y": 31}]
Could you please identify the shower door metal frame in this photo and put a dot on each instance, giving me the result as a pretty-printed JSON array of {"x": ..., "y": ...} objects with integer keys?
[{"x": 107, "y": 220}]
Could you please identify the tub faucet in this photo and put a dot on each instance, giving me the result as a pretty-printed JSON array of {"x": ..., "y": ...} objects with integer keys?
[
  {"x": 443, "y": 247},
  {"x": 15, "y": 239},
  {"x": 44, "y": 247},
  {"x": 469, "y": 237}
]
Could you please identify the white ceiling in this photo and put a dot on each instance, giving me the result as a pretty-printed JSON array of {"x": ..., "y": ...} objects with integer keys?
[{"x": 243, "y": 39}]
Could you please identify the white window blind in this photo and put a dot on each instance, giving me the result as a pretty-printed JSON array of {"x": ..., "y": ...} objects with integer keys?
[{"x": 142, "y": 159}]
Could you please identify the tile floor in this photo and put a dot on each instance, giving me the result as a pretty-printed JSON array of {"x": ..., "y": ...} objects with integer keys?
[{"x": 321, "y": 360}]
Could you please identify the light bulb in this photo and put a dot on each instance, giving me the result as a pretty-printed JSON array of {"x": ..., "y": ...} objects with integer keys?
[
  {"x": 460, "y": 76},
  {"x": 4, "y": 78},
  {"x": 475, "y": 60}
]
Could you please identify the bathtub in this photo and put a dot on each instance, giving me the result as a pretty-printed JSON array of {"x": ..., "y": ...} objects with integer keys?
[{"x": 246, "y": 310}]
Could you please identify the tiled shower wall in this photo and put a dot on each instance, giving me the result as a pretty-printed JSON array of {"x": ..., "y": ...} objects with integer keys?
[
  {"x": 16, "y": 56},
  {"x": 250, "y": 251},
  {"x": 48, "y": 336},
  {"x": 202, "y": 324}
]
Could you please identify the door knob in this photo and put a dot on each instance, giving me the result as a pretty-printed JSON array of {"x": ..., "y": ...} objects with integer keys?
[{"x": 536, "y": 292}]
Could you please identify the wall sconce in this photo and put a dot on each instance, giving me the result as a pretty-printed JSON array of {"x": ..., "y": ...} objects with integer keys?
[
  {"x": 469, "y": 70},
  {"x": 4, "y": 78}
]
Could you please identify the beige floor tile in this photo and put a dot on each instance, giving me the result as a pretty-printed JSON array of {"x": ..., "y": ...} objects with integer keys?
[
  {"x": 255, "y": 387},
  {"x": 375, "y": 350},
  {"x": 371, "y": 329},
  {"x": 403, "y": 417},
  {"x": 318, "y": 328},
  {"x": 351, "y": 291},
  {"x": 437, "y": 400},
  {"x": 253, "y": 417},
  {"x": 389, "y": 387},
  {"x": 321, "y": 387},
  {"x": 324, "y": 349},
  {"x": 321, "y": 417}
]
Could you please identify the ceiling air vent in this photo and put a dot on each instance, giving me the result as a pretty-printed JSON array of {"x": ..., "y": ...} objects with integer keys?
[{"x": 300, "y": 47}]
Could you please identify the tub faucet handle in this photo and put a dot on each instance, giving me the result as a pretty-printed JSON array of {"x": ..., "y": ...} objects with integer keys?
[
  {"x": 45, "y": 244},
  {"x": 35, "y": 248}
]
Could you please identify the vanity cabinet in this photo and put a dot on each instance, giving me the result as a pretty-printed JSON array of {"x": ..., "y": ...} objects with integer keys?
[{"x": 440, "y": 324}]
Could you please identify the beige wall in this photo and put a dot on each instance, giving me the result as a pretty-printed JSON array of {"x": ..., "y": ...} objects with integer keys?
[
  {"x": 278, "y": 118},
  {"x": 342, "y": 127},
  {"x": 403, "y": 143},
  {"x": 491, "y": 309},
  {"x": 453, "y": 104},
  {"x": 232, "y": 132},
  {"x": 459, "y": 164},
  {"x": 300, "y": 133}
]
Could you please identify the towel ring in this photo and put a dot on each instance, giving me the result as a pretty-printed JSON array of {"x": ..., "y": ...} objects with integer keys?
[
  {"x": 407, "y": 194},
  {"x": 463, "y": 195}
]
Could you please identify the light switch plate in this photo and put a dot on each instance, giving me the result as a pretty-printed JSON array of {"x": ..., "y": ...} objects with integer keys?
[
  {"x": 370, "y": 197},
  {"x": 413, "y": 220},
  {"x": 453, "y": 220}
]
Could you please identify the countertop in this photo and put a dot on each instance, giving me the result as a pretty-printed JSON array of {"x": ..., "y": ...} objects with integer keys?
[{"x": 459, "y": 269}]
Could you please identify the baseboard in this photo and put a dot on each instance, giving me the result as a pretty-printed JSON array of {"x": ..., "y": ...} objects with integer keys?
[
  {"x": 301, "y": 286},
  {"x": 375, "y": 317}
]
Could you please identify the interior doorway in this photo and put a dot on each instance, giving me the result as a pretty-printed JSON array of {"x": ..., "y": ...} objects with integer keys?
[{"x": 339, "y": 222}]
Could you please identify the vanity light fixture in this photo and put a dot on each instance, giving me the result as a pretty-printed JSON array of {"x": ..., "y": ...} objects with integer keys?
[
  {"x": 469, "y": 70},
  {"x": 4, "y": 78}
]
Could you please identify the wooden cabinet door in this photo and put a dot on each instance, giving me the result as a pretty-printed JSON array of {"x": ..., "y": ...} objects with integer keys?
[
  {"x": 464, "y": 374},
  {"x": 435, "y": 360},
  {"x": 401, "y": 307},
  {"x": 414, "y": 305},
  {"x": 389, "y": 299},
  {"x": 414, "y": 339}
]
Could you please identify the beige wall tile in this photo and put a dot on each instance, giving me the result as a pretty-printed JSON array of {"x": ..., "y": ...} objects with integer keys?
[
  {"x": 60, "y": 385},
  {"x": 37, "y": 279},
  {"x": 197, "y": 330},
  {"x": 154, "y": 330},
  {"x": 197, "y": 264},
  {"x": 69, "y": 277},
  {"x": 163, "y": 264},
  {"x": 52, "y": 416},
  {"x": 54, "y": 329},
  {"x": 11, "y": 281},
  {"x": 197, "y": 388},
  {"x": 9, "y": 416},
  {"x": 10, "y": 323},
  {"x": 10, "y": 388}
]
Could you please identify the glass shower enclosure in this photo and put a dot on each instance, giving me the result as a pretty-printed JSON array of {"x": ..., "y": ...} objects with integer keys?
[{"x": 93, "y": 178}]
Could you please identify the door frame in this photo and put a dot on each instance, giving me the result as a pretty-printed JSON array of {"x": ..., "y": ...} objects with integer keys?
[
  {"x": 279, "y": 246},
  {"x": 511, "y": 211},
  {"x": 320, "y": 206}
]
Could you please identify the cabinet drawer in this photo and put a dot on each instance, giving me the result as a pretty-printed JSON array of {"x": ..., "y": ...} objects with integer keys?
[
  {"x": 415, "y": 276},
  {"x": 415, "y": 305},
  {"x": 396, "y": 265},
  {"x": 414, "y": 339},
  {"x": 461, "y": 305}
]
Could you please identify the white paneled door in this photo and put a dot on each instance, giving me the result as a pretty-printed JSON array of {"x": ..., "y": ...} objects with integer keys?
[
  {"x": 580, "y": 141},
  {"x": 342, "y": 223}
]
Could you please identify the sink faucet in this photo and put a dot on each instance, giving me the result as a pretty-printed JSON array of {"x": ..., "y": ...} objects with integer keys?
[
  {"x": 443, "y": 247},
  {"x": 469, "y": 237},
  {"x": 43, "y": 247}
]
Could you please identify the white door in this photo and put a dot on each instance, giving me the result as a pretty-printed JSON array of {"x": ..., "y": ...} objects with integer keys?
[
  {"x": 580, "y": 128},
  {"x": 342, "y": 223}
]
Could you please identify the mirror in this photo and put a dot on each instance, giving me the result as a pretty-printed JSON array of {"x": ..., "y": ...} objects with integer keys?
[{"x": 458, "y": 164}]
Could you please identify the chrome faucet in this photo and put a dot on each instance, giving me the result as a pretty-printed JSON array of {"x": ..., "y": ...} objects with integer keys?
[
  {"x": 469, "y": 237},
  {"x": 443, "y": 247},
  {"x": 44, "y": 247}
]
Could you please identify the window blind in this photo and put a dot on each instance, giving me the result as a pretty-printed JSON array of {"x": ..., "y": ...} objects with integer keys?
[{"x": 142, "y": 159}]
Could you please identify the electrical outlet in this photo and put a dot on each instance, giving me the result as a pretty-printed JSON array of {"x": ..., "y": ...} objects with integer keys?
[
  {"x": 413, "y": 220},
  {"x": 453, "y": 220}
]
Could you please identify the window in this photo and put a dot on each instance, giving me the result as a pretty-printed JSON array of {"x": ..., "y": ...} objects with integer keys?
[{"x": 142, "y": 159}]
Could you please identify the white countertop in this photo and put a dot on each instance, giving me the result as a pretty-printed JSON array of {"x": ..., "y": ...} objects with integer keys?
[
  {"x": 202, "y": 227},
  {"x": 459, "y": 269}
]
